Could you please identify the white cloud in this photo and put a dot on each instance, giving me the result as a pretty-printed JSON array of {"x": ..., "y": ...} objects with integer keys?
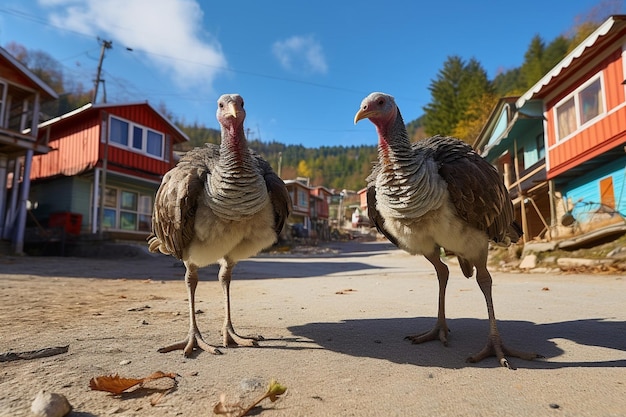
[
  {"x": 301, "y": 54},
  {"x": 169, "y": 32}
]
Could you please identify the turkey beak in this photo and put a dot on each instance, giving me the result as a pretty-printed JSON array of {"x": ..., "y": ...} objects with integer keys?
[
  {"x": 232, "y": 109},
  {"x": 363, "y": 113}
]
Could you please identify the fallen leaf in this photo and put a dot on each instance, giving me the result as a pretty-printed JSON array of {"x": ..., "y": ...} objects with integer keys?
[{"x": 116, "y": 384}]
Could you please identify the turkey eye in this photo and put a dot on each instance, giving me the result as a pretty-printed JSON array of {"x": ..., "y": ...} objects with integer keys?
[
  {"x": 221, "y": 105},
  {"x": 242, "y": 104},
  {"x": 381, "y": 102}
]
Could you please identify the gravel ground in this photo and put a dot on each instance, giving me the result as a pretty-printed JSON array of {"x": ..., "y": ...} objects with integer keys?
[{"x": 334, "y": 323}]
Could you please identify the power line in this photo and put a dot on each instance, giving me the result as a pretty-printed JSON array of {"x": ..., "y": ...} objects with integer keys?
[{"x": 39, "y": 20}]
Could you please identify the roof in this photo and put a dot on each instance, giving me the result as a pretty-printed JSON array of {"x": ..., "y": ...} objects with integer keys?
[
  {"x": 91, "y": 106},
  {"x": 487, "y": 130},
  {"x": 28, "y": 73},
  {"x": 612, "y": 24}
]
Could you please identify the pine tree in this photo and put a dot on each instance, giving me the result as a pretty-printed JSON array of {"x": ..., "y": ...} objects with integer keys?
[
  {"x": 441, "y": 114},
  {"x": 458, "y": 86}
]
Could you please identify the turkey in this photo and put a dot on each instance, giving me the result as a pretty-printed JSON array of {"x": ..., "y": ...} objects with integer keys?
[
  {"x": 438, "y": 193},
  {"x": 219, "y": 204}
]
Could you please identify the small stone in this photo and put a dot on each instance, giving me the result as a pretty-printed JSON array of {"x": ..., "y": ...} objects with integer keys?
[
  {"x": 529, "y": 262},
  {"x": 555, "y": 406},
  {"x": 47, "y": 404},
  {"x": 125, "y": 362}
]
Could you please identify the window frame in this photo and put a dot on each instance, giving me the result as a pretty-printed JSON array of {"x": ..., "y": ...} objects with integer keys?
[
  {"x": 147, "y": 135},
  {"x": 577, "y": 108},
  {"x": 117, "y": 212}
]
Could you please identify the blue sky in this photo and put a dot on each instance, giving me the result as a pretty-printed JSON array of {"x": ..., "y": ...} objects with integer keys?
[{"x": 301, "y": 67}]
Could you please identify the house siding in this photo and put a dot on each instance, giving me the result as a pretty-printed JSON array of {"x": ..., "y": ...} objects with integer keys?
[
  {"x": 136, "y": 164},
  {"x": 587, "y": 187},
  {"x": 600, "y": 136},
  {"x": 76, "y": 152}
]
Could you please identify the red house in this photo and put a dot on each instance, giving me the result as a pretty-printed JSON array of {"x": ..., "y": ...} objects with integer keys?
[
  {"x": 21, "y": 96},
  {"x": 310, "y": 214},
  {"x": 560, "y": 146},
  {"x": 123, "y": 149},
  {"x": 584, "y": 107},
  {"x": 321, "y": 196}
]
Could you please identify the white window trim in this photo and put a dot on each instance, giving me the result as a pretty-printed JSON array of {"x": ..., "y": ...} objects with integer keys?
[
  {"x": 144, "y": 139},
  {"x": 575, "y": 94}
]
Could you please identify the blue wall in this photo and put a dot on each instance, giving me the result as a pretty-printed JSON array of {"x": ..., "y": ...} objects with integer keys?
[{"x": 587, "y": 187}]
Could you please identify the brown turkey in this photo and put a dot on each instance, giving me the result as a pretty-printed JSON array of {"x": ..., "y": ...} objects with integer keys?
[
  {"x": 438, "y": 193},
  {"x": 220, "y": 204}
]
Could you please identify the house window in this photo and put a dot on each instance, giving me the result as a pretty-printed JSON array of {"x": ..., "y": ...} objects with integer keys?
[
  {"x": 154, "y": 143},
  {"x": 303, "y": 198},
  {"x": 119, "y": 132},
  {"x": 590, "y": 102},
  {"x": 136, "y": 137},
  {"x": 145, "y": 213},
  {"x": 581, "y": 107},
  {"x": 127, "y": 210},
  {"x": 566, "y": 118},
  {"x": 541, "y": 147}
]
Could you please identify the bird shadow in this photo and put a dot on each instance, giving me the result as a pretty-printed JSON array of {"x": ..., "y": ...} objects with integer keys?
[{"x": 384, "y": 339}]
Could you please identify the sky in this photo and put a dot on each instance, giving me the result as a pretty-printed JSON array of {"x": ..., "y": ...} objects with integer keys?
[{"x": 302, "y": 68}]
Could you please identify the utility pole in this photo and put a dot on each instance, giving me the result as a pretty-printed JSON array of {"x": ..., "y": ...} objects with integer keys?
[{"x": 104, "y": 46}]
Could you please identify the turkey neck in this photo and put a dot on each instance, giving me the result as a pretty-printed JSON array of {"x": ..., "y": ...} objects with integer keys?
[
  {"x": 408, "y": 185},
  {"x": 392, "y": 140},
  {"x": 236, "y": 188}
]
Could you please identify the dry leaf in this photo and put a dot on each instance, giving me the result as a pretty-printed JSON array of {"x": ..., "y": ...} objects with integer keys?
[{"x": 116, "y": 384}]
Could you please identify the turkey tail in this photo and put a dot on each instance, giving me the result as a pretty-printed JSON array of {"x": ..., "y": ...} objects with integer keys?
[{"x": 466, "y": 267}]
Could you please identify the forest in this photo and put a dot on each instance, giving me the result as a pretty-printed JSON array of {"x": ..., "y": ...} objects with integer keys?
[{"x": 462, "y": 97}]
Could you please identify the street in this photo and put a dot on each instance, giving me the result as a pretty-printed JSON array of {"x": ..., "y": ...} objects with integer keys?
[{"x": 334, "y": 324}]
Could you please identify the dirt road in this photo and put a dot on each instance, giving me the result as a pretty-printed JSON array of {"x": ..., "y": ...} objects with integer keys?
[{"x": 334, "y": 326}]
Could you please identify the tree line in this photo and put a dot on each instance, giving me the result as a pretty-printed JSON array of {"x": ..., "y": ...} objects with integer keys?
[{"x": 462, "y": 97}]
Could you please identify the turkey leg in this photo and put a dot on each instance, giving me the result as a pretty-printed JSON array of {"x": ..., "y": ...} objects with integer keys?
[
  {"x": 440, "y": 331},
  {"x": 228, "y": 332},
  {"x": 194, "y": 338},
  {"x": 494, "y": 346}
]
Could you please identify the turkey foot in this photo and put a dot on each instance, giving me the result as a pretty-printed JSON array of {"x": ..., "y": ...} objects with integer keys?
[
  {"x": 193, "y": 340},
  {"x": 496, "y": 348},
  {"x": 232, "y": 338},
  {"x": 440, "y": 331}
]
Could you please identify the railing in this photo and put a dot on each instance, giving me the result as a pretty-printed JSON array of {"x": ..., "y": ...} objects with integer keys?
[{"x": 588, "y": 215}]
